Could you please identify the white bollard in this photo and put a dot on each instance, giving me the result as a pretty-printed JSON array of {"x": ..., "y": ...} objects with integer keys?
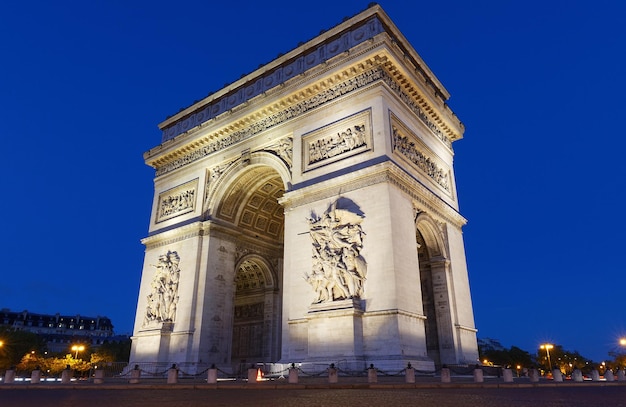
[
  {"x": 9, "y": 376},
  {"x": 577, "y": 375},
  {"x": 595, "y": 376},
  {"x": 621, "y": 375},
  {"x": 478, "y": 375},
  {"x": 66, "y": 375},
  {"x": 333, "y": 377},
  {"x": 172, "y": 375},
  {"x": 98, "y": 377},
  {"x": 507, "y": 374},
  {"x": 35, "y": 376},
  {"x": 409, "y": 374},
  {"x": 252, "y": 373},
  {"x": 557, "y": 376},
  {"x": 212, "y": 375},
  {"x": 609, "y": 376},
  {"x": 533, "y": 374},
  {"x": 293, "y": 374},
  {"x": 372, "y": 374},
  {"x": 135, "y": 374},
  {"x": 446, "y": 377}
]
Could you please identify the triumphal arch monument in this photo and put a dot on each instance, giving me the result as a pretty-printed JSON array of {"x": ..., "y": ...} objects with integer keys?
[{"x": 308, "y": 213}]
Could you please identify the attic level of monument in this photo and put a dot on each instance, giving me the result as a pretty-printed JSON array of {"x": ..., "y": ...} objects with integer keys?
[
  {"x": 300, "y": 81},
  {"x": 268, "y": 111}
]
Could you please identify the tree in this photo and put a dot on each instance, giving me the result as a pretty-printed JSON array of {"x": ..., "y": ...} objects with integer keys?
[
  {"x": 115, "y": 351},
  {"x": 16, "y": 344},
  {"x": 512, "y": 357},
  {"x": 564, "y": 360}
]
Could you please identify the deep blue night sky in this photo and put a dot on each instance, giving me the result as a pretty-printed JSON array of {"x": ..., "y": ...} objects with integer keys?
[{"x": 538, "y": 84}]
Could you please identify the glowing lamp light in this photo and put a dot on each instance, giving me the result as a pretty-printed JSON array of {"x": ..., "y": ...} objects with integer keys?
[
  {"x": 547, "y": 347},
  {"x": 77, "y": 348}
]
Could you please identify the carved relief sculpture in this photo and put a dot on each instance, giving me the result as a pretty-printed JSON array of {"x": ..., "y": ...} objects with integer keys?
[
  {"x": 284, "y": 149},
  {"x": 408, "y": 149},
  {"x": 177, "y": 201},
  {"x": 163, "y": 299},
  {"x": 339, "y": 270},
  {"x": 328, "y": 147}
]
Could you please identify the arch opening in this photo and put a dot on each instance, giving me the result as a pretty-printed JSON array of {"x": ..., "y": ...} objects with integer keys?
[
  {"x": 250, "y": 207},
  {"x": 428, "y": 300}
]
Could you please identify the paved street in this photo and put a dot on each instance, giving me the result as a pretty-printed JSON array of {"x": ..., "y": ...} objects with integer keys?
[{"x": 181, "y": 396}]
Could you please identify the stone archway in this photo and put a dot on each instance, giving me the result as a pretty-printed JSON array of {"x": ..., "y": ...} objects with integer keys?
[
  {"x": 250, "y": 209},
  {"x": 253, "y": 338},
  {"x": 434, "y": 284}
]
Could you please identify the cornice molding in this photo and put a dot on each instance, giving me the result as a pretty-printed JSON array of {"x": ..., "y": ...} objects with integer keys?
[
  {"x": 386, "y": 172},
  {"x": 216, "y": 228},
  {"x": 173, "y": 235},
  {"x": 378, "y": 67}
]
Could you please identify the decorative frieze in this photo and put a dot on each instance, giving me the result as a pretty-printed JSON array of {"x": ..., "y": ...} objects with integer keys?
[
  {"x": 329, "y": 94},
  {"x": 337, "y": 141},
  {"x": 380, "y": 173},
  {"x": 271, "y": 78},
  {"x": 408, "y": 146},
  {"x": 419, "y": 112},
  {"x": 284, "y": 149},
  {"x": 177, "y": 201},
  {"x": 332, "y": 93}
]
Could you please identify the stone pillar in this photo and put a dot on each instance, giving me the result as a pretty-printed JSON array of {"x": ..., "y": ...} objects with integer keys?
[
  {"x": 446, "y": 377},
  {"x": 98, "y": 377},
  {"x": 478, "y": 375},
  {"x": 557, "y": 375},
  {"x": 533, "y": 374},
  {"x": 609, "y": 376},
  {"x": 577, "y": 375},
  {"x": 333, "y": 377},
  {"x": 621, "y": 375},
  {"x": 66, "y": 375},
  {"x": 293, "y": 374},
  {"x": 507, "y": 374},
  {"x": 212, "y": 375},
  {"x": 35, "y": 376},
  {"x": 9, "y": 375},
  {"x": 372, "y": 374},
  {"x": 172, "y": 375},
  {"x": 135, "y": 374},
  {"x": 409, "y": 374}
]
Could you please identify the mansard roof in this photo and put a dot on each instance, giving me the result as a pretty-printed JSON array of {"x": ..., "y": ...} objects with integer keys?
[{"x": 315, "y": 52}]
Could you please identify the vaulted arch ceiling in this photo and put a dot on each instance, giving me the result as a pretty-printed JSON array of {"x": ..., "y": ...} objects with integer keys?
[{"x": 252, "y": 203}]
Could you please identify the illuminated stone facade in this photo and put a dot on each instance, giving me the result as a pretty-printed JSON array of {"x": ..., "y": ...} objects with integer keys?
[{"x": 308, "y": 213}]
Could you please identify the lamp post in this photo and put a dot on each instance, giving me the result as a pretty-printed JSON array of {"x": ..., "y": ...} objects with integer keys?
[
  {"x": 547, "y": 347},
  {"x": 78, "y": 348}
]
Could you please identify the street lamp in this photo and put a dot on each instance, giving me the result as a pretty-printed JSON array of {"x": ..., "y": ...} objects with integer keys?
[
  {"x": 78, "y": 348},
  {"x": 622, "y": 341},
  {"x": 547, "y": 347}
]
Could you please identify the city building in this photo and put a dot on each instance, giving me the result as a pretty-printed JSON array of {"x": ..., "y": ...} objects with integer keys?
[{"x": 60, "y": 332}]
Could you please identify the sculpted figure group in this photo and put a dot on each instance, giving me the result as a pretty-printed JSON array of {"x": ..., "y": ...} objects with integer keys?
[
  {"x": 336, "y": 144},
  {"x": 339, "y": 270},
  {"x": 163, "y": 298}
]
